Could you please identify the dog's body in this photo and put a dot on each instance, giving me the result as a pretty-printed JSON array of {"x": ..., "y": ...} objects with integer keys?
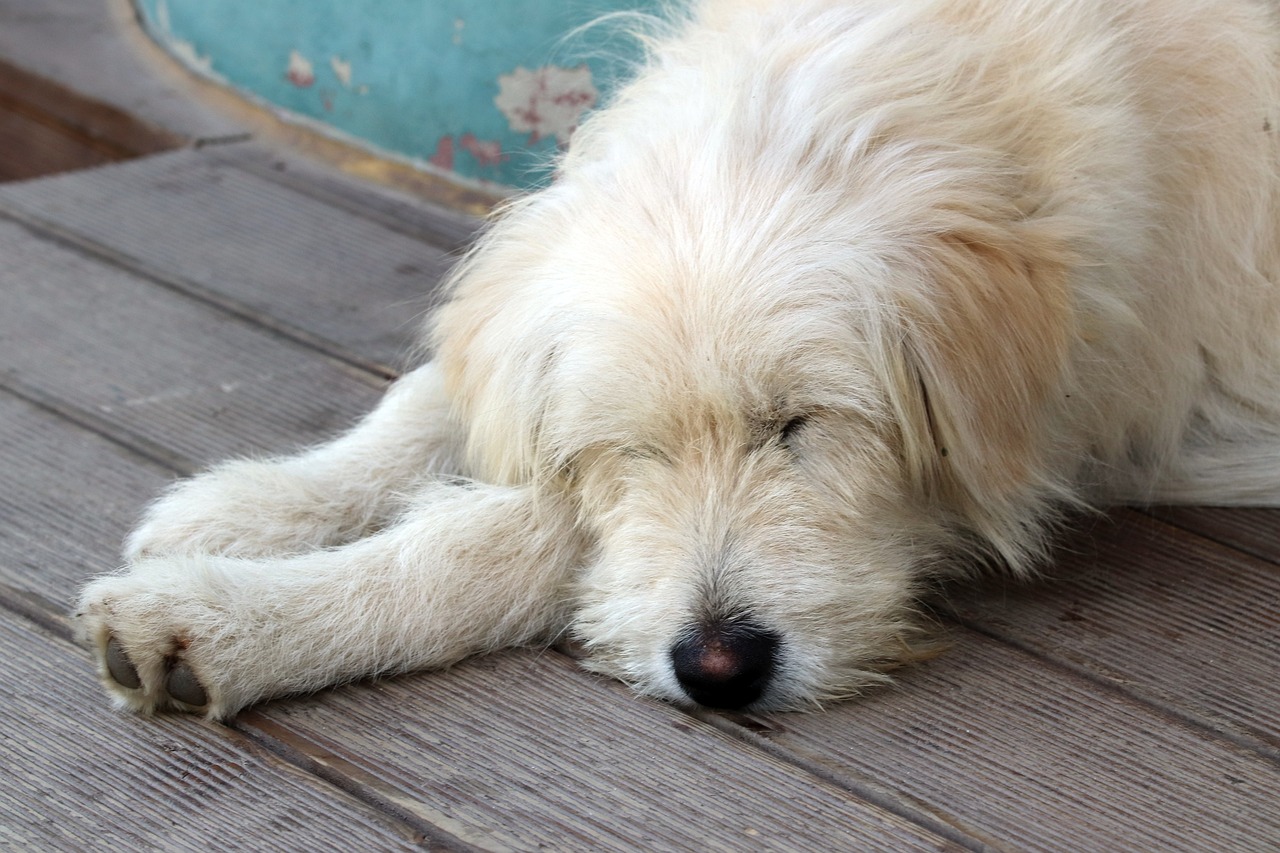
[{"x": 835, "y": 298}]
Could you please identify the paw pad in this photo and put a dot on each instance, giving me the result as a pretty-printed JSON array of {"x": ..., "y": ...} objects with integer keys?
[
  {"x": 120, "y": 667},
  {"x": 184, "y": 687}
]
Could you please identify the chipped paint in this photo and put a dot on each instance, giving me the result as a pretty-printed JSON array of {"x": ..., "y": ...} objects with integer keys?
[
  {"x": 488, "y": 152},
  {"x": 341, "y": 70},
  {"x": 184, "y": 50},
  {"x": 547, "y": 101},
  {"x": 162, "y": 16},
  {"x": 443, "y": 156},
  {"x": 299, "y": 71}
]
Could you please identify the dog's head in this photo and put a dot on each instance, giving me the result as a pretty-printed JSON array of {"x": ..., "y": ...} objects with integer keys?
[{"x": 778, "y": 405}]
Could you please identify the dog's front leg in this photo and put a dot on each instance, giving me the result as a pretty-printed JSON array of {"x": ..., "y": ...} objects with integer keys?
[
  {"x": 330, "y": 494},
  {"x": 468, "y": 568}
]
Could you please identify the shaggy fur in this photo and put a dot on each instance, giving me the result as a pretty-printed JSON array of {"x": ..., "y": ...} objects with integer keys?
[{"x": 837, "y": 297}]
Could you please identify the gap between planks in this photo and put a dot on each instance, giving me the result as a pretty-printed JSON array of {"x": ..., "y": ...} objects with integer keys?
[
  {"x": 1183, "y": 715},
  {"x": 430, "y": 223},
  {"x": 755, "y": 732},
  {"x": 282, "y": 742},
  {"x": 376, "y": 371},
  {"x": 204, "y": 752}
]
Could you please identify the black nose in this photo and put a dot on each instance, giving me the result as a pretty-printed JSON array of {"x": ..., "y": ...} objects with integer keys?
[{"x": 725, "y": 664}]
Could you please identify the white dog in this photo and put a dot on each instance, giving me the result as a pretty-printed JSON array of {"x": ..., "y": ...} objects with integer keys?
[{"x": 834, "y": 298}]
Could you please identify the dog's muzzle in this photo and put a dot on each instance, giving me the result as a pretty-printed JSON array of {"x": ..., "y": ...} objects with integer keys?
[{"x": 725, "y": 665}]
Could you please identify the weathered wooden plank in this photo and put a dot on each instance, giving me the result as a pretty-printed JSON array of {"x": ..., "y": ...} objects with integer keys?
[
  {"x": 92, "y": 124},
  {"x": 171, "y": 369},
  {"x": 97, "y": 51},
  {"x": 1164, "y": 614},
  {"x": 67, "y": 498},
  {"x": 1027, "y": 756},
  {"x": 291, "y": 257},
  {"x": 1252, "y": 530},
  {"x": 78, "y": 779},
  {"x": 523, "y": 751},
  {"x": 32, "y": 145},
  {"x": 434, "y": 223}
]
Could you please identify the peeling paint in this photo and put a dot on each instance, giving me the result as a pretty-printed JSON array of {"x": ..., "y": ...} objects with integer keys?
[
  {"x": 300, "y": 71},
  {"x": 443, "y": 157},
  {"x": 488, "y": 152},
  {"x": 341, "y": 70},
  {"x": 547, "y": 101},
  {"x": 186, "y": 51}
]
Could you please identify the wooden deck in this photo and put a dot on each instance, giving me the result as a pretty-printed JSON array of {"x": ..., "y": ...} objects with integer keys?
[{"x": 169, "y": 311}]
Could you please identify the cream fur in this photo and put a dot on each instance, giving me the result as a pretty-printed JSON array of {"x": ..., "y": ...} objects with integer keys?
[{"x": 835, "y": 298}]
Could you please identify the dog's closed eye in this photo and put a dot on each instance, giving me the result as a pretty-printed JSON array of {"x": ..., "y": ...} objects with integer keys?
[
  {"x": 645, "y": 451},
  {"x": 790, "y": 431}
]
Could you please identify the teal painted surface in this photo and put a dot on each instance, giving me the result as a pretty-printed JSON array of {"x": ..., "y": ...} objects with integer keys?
[{"x": 485, "y": 89}]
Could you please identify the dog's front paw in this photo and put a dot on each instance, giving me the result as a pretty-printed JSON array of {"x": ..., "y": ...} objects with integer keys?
[{"x": 160, "y": 640}]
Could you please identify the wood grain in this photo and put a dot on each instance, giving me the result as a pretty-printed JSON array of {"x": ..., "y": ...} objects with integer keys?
[
  {"x": 285, "y": 255},
  {"x": 117, "y": 133},
  {"x": 47, "y": 128},
  {"x": 67, "y": 499},
  {"x": 522, "y": 750},
  {"x": 33, "y": 144},
  {"x": 171, "y": 369},
  {"x": 1165, "y": 615},
  {"x": 1027, "y": 756},
  {"x": 78, "y": 777},
  {"x": 405, "y": 213},
  {"x": 1254, "y": 530}
]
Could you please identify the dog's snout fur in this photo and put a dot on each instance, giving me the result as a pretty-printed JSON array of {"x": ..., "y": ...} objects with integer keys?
[{"x": 725, "y": 665}]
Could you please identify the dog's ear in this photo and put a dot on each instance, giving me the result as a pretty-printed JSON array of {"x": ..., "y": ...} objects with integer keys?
[
  {"x": 493, "y": 338},
  {"x": 982, "y": 352}
]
